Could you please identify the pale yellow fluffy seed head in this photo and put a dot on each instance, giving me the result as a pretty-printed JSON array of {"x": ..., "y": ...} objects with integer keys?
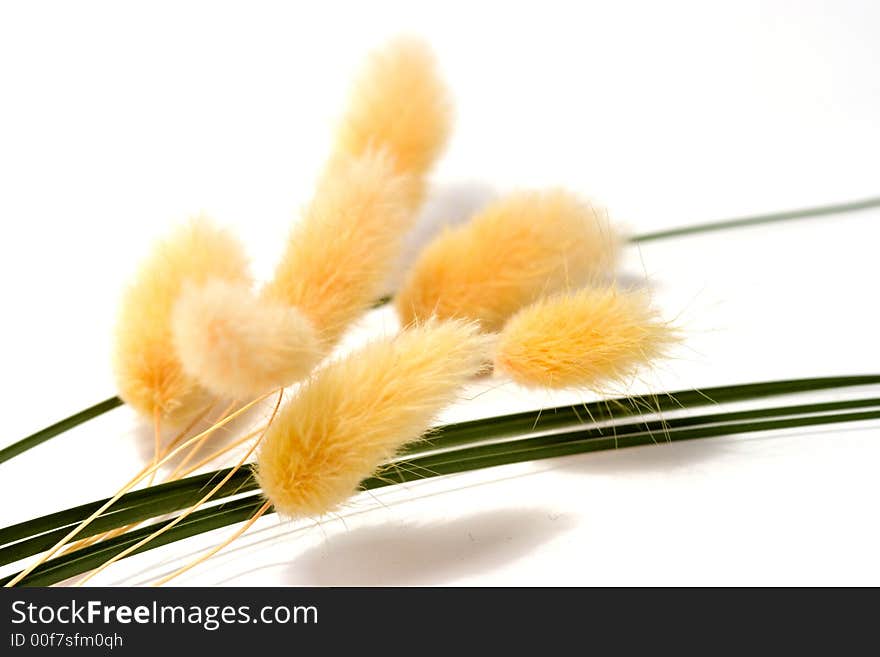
[
  {"x": 239, "y": 346},
  {"x": 357, "y": 412},
  {"x": 340, "y": 252},
  {"x": 590, "y": 338},
  {"x": 519, "y": 248},
  {"x": 399, "y": 103},
  {"x": 149, "y": 374}
]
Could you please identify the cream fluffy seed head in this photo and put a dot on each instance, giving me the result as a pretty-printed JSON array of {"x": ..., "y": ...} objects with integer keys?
[
  {"x": 240, "y": 346},
  {"x": 519, "y": 248},
  {"x": 149, "y": 374},
  {"x": 357, "y": 412},
  {"x": 590, "y": 338}
]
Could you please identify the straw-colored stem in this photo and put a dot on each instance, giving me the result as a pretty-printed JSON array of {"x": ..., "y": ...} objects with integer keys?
[
  {"x": 121, "y": 530},
  {"x": 122, "y": 491},
  {"x": 180, "y": 436},
  {"x": 195, "y": 449},
  {"x": 194, "y": 507},
  {"x": 221, "y": 451},
  {"x": 266, "y": 506},
  {"x": 157, "y": 442}
]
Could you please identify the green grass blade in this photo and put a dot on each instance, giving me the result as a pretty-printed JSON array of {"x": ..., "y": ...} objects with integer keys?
[
  {"x": 742, "y": 222},
  {"x": 165, "y": 498},
  {"x": 151, "y": 502},
  {"x": 58, "y": 428},
  {"x": 554, "y": 445},
  {"x": 180, "y": 494},
  {"x": 81, "y": 561},
  {"x": 587, "y": 440},
  {"x": 549, "y": 418}
]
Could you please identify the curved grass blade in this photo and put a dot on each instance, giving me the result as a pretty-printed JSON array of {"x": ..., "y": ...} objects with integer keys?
[
  {"x": 150, "y": 502},
  {"x": 563, "y": 443},
  {"x": 805, "y": 213},
  {"x": 581, "y": 441},
  {"x": 242, "y": 481},
  {"x": 81, "y": 561},
  {"x": 165, "y": 498},
  {"x": 548, "y": 418}
]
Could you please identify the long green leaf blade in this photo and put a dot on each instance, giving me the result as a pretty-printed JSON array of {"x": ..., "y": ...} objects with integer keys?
[
  {"x": 462, "y": 460},
  {"x": 58, "y": 428},
  {"x": 164, "y": 498}
]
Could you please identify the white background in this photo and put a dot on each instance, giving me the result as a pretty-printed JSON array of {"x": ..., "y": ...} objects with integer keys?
[{"x": 116, "y": 120}]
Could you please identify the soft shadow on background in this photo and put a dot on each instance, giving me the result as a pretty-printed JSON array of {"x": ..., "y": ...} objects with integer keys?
[{"x": 430, "y": 554}]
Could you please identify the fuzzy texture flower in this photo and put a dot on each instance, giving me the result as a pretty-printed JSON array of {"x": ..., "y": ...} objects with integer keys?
[
  {"x": 149, "y": 374},
  {"x": 337, "y": 258},
  {"x": 589, "y": 338},
  {"x": 519, "y": 248},
  {"x": 400, "y": 103},
  {"x": 357, "y": 412},
  {"x": 345, "y": 246},
  {"x": 339, "y": 254},
  {"x": 239, "y": 346}
]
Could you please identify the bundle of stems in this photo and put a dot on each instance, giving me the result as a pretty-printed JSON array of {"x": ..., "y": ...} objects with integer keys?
[
  {"x": 113, "y": 532},
  {"x": 451, "y": 449}
]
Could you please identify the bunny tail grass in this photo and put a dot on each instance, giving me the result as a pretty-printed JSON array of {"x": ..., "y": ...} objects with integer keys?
[
  {"x": 359, "y": 411},
  {"x": 399, "y": 103},
  {"x": 149, "y": 374},
  {"x": 859, "y": 205},
  {"x": 239, "y": 346},
  {"x": 517, "y": 249},
  {"x": 339, "y": 254},
  {"x": 587, "y": 338}
]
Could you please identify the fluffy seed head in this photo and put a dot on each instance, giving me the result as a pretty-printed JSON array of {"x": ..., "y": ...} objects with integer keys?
[
  {"x": 587, "y": 338},
  {"x": 340, "y": 252},
  {"x": 516, "y": 250},
  {"x": 149, "y": 374},
  {"x": 399, "y": 103},
  {"x": 238, "y": 345},
  {"x": 357, "y": 412}
]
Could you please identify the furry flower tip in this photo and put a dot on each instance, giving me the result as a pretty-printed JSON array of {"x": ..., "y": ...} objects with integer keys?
[
  {"x": 239, "y": 346},
  {"x": 399, "y": 103},
  {"x": 149, "y": 374},
  {"x": 344, "y": 247},
  {"x": 516, "y": 250},
  {"x": 589, "y": 338},
  {"x": 357, "y": 412},
  {"x": 340, "y": 252}
]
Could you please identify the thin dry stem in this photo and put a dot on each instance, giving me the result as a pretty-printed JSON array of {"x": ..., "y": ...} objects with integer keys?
[
  {"x": 217, "y": 548},
  {"x": 191, "y": 509},
  {"x": 91, "y": 540},
  {"x": 122, "y": 491},
  {"x": 195, "y": 449},
  {"x": 198, "y": 418},
  {"x": 220, "y": 452},
  {"x": 157, "y": 441}
]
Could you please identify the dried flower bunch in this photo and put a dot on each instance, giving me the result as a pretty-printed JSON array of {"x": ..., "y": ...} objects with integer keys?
[
  {"x": 525, "y": 285},
  {"x": 524, "y": 290},
  {"x": 521, "y": 290}
]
